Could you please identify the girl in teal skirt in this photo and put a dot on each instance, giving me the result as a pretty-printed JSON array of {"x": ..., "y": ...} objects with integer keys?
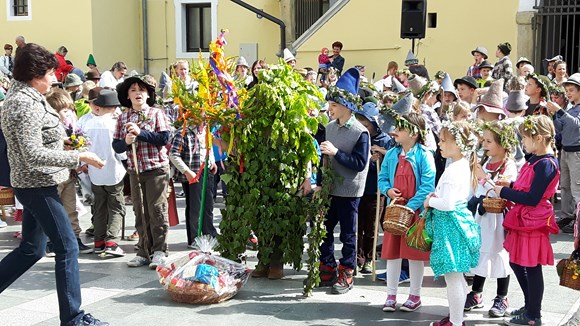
[{"x": 456, "y": 236}]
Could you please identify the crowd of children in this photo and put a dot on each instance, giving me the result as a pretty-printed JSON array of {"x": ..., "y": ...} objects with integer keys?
[{"x": 437, "y": 147}]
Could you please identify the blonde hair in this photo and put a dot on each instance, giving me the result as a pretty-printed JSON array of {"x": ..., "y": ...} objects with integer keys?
[
  {"x": 466, "y": 132},
  {"x": 461, "y": 107},
  {"x": 539, "y": 125},
  {"x": 59, "y": 99},
  {"x": 87, "y": 86}
]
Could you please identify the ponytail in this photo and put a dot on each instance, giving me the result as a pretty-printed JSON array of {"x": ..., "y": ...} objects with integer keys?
[{"x": 473, "y": 166}]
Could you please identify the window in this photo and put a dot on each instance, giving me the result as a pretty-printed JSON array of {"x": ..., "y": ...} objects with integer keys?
[
  {"x": 19, "y": 9},
  {"x": 195, "y": 26},
  {"x": 198, "y": 27}
]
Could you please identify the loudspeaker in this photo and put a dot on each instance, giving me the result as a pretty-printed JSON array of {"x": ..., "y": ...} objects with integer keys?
[{"x": 413, "y": 19}]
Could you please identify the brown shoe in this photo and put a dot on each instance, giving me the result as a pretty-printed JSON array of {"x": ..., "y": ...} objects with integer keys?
[
  {"x": 260, "y": 271},
  {"x": 276, "y": 273},
  {"x": 133, "y": 237}
]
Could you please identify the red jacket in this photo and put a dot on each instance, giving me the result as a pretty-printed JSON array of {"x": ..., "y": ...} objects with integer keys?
[{"x": 63, "y": 68}]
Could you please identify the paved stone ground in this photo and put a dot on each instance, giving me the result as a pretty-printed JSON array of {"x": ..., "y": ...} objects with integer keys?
[{"x": 132, "y": 296}]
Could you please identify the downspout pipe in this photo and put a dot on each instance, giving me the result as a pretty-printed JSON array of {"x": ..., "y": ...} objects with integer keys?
[
  {"x": 145, "y": 38},
  {"x": 268, "y": 17}
]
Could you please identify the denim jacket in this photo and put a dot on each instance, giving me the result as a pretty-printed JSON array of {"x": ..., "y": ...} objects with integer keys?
[{"x": 423, "y": 165}]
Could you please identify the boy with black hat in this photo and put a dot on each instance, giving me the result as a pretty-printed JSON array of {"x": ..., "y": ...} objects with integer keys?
[
  {"x": 503, "y": 67},
  {"x": 485, "y": 70},
  {"x": 106, "y": 183},
  {"x": 347, "y": 146},
  {"x": 466, "y": 87},
  {"x": 146, "y": 126}
]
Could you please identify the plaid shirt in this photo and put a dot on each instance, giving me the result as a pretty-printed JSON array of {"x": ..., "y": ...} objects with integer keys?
[
  {"x": 190, "y": 149},
  {"x": 149, "y": 156},
  {"x": 431, "y": 118},
  {"x": 503, "y": 69},
  {"x": 474, "y": 71}
]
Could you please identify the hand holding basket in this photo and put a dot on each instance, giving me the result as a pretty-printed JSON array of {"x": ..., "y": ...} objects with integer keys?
[
  {"x": 493, "y": 205},
  {"x": 398, "y": 218}
]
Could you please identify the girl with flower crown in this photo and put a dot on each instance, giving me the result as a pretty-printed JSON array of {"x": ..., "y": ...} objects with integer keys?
[
  {"x": 407, "y": 174},
  {"x": 530, "y": 221},
  {"x": 456, "y": 238},
  {"x": 498, "y": 141}
]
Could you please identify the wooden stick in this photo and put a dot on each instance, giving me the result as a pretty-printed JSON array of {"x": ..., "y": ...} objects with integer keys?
[{"x": 377, "y": 217}]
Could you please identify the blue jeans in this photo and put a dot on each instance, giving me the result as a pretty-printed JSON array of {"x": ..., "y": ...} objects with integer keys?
[
  {"x": 43, "y": 214},
  {"x": 343, "y": 210}
]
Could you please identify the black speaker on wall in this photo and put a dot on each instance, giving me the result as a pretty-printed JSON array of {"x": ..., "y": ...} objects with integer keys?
[{"x": 413, "y": 19}]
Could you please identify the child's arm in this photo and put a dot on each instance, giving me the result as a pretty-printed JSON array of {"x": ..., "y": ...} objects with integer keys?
[
  {"x": 384, "y": 178},
  {"x": 119, "y": 143},
  {"x": 356, "y": 160},
  {"x": 159, "y": 137},
  {"x": 545, "y": 172},
  {"x": 175, "y": 156},
  {"x": 427, "y": 173},
  {"x": 446, "y": 197}
]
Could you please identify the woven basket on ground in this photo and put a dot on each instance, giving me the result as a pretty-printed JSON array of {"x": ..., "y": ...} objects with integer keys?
[
  {"x": 569, "y": 269},
  {"x": 199, "y": 294},
  {"x": 6, "y": 196},
  {"x": 398, "y": 218},
  {"x": 493, "y": 205}
]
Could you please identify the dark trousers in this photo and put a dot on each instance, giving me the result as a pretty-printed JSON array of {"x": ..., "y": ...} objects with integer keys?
[
  {"x": 150, "y": 207},
  {"x": 193, "y": 206},
  {"x": 343, "y": 210},
  {"x": 108, "y": 212},
  {"x": 366, "y": 227},
  {"x": 531, "y": 280},
  {"x": 217, "y": 180},
  {"x": 502, "y": 285},
  {"x": 44, "y": 214},
  {"x": 276, "y": 255}
]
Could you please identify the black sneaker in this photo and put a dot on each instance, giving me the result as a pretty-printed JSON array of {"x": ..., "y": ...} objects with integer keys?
[
  {"x": 499, "y": 307},
  {"x": 90, "y": 231},
  {"x": 473, "y": 300},
  {"x": 569, "y": 228},
  {"x": 89, "y": 320},
  {"x": 366, "y": 268},
  {"x": 83, "y": 248}
]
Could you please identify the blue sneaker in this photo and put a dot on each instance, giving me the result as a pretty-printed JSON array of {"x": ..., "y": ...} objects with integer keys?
[
  {"x": 404, "y": 278},
  {"x": 382, "y": 276},
  {"x": 523, "y": 319}
]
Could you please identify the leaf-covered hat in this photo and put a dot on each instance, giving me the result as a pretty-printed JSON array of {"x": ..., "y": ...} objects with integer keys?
[
  {"x": 411, "y": 59},
  {"x": 542, "y": 81},
  {"x": 400, "y": 108},
  {"x": 345, "y": 92}
]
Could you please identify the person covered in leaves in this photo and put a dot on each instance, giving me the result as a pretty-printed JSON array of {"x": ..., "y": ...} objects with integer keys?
[{"x": 347, "y": 145}]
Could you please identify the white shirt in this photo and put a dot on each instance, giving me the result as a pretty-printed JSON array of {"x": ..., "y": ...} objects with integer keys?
[
  {"x": 454, "y": 186},
  {"x": 100, "y": 130},
  {"x": 109, "y": 80}
]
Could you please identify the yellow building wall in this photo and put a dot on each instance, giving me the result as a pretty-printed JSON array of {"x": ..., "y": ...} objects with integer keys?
[
  {"x": 51, "y": 26},
  {"x": 371, "y": 36},
  {"x": 116, "y": 33},
  {"x": 243, "y": 26}
]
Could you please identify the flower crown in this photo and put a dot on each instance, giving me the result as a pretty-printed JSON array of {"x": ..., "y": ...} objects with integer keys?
[
  {"x": 529, "y": 125},
  {"x": 466, "y": 147},
  {"x": 402, "y": 123},
  {"x": 337, "y": 92},
  {"x": 506, "y": 133},
  {"x": 430, "y": 87}
]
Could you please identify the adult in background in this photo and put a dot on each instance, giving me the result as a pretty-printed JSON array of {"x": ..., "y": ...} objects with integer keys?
[
  {"x": 550, "y": 65},
  {"x": 39, "y": 163},
  {"x": 6, "y": 61},
  {"x": 20, "y": 42},
  {"x": 337, "y": 61},
  {"x": 479, "y": 54},
  {"x": 503, "y": 67},
  {"x": 63, "y": 68},
  {"x": 111, "y": 78}
]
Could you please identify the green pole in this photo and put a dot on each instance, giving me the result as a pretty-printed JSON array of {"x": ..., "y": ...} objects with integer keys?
[{"x": 203, "y": 187}]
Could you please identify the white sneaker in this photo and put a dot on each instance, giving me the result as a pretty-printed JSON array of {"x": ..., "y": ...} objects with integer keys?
[
  {"x": 138, "y": 261},
  {"x": 3, "y": 224},
  {"x": 158, "y": 258}
]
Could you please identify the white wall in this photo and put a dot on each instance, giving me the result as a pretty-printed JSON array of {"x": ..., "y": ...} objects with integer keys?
[{"x": 526, "y": 5}]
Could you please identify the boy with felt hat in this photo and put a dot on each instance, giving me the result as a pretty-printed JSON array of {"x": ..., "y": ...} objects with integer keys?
[
  {"x": 347, "y": 146},
  {"x": 466, "y": 87},
  {"x": 538, "y": 89},
  {"x": 479, "y": 54},
  {"x": 148, "y": 128},
  {"x": 503, "y": 67}
]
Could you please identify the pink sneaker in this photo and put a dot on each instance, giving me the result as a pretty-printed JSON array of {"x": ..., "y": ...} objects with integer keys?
[
  {"x": 413, "y": 303},
  {"x": 391, "y": 303},
  {"x": 444, "y": 322}
]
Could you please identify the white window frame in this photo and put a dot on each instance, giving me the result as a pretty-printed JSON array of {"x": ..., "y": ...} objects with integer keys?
[
  {"x": 180, "y": 35},
  {"x": 9, "y": 11}
]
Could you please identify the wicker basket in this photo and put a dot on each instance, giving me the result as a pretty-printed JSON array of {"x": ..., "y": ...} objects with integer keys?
[
  {"x": 568, "y": 279},
  {"x": 199, "y": 294},
  {"x": 6, "y": 197},
  {"x": 493, "y": 205},
  {"x": 398, "y": 218}
]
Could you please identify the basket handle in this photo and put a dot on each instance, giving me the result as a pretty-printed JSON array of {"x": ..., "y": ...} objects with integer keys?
[
  {"x": 425, "y": 211},
  {"x": 487, "y": 193},
  {"x": 394, "y": 200}
]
